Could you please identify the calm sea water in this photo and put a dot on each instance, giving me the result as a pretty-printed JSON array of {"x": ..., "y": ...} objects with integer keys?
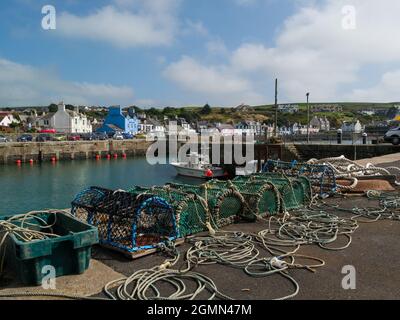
[{"x": 47, "y": 185}]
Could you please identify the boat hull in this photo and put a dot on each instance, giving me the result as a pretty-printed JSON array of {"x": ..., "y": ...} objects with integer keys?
[{"x": 198, "y": 173}]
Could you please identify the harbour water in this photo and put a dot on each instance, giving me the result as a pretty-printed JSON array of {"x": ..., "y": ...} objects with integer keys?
[{"x": 49, "y": 186}]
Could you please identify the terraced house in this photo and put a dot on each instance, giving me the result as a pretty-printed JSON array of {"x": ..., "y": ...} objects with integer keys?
[
  {"x": 116, "y": 121},
  {"x": 65, "y": 121}
]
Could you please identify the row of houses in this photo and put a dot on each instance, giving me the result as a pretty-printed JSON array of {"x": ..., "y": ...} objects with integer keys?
[
  {"x": 294, "y": 108},
  {"x": 127, "y": 121}
]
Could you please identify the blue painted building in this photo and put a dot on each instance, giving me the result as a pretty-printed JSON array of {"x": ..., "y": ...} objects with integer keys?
[{"x": 117, "y": 121}]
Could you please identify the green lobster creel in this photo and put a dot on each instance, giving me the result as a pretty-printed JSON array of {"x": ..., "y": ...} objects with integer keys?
[
  {"x": 295, "y": 192},
  {"x": 191, "y": 210},
  {"x": 127, "y": 222},
  {"x": 226, "y": 205},
  {"x": 262, "y": 198}
]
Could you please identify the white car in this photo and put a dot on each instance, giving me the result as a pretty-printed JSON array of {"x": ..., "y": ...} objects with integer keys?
[
  {"x": 393, "y": 136},
  {"x": 4, "y": 139},
  {"x": 118, "y": 136}
]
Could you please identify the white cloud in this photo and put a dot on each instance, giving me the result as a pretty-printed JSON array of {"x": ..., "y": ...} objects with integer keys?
[
  {"x": 386, "y": 90},
  {"x": 195, "y": 27},
  {"x": 314, "y": 53},
  {"x": 25, "y": 85},
  {"x": 216, "y": 84},
  {"x": 126, "y": 24},
  {"x": 217, "y": 46}
]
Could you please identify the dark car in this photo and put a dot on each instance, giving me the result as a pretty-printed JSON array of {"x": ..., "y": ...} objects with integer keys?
[
  {"x": 88, "y": 136},
  {"x": 25, "y": 138},
  {"x": 127, "y": 135},
  {"x": 43, "y": 137},
  {"x": 101, "y": 136}
]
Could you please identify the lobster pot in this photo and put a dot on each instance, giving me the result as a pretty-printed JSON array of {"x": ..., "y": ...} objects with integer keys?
[
  {"x": 322, "y": 177},
  {"x": 262, "y": 198},
  {"x": 191, "y": 211},
  {"x": 126, "y": 222},
  {"x": 226, "y": 205},
  {"x": 295, "y": 192}
]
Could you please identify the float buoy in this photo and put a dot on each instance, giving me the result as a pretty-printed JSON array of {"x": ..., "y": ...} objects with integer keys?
[{"x": 209, "y": 173}]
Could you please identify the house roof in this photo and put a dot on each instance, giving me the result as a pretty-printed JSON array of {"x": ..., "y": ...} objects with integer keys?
[
  {"x": 154, "y": 122},
  {"x": 47, "y": 116},
  {"x": 225, "y": 126},
  {"x": 114, "y": 127}
]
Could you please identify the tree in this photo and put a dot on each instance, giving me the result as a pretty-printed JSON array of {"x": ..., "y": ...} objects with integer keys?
[
  {"x": 206, "y": 109},
  {"x": 53, "y": 107}
]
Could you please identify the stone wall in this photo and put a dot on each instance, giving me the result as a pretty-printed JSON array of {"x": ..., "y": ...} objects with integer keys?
[
  {"x": 353, "y": 152},
  {"x": 69, "y": 150}
]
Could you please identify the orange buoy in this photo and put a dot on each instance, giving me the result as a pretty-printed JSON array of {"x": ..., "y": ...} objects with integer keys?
[
  {"x": 209, "y": 173},
  {"x": 97, "y": 157}
]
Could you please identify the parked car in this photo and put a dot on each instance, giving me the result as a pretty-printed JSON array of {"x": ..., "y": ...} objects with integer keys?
[
  {"x": 74, "y": 137},
  {"x": 118, "y": 136},
  {"x": 101, "y": 136},
  {"x": 128, "y": 135},
  {"x": 393, "y": 136},
  {"x": 24, "y": 138},
  {"x": 88, "y": 136},
  {"x": 43, "y": 137},
  {"x": 48, "y": 131},
  {"x": 4, "y": 139}
]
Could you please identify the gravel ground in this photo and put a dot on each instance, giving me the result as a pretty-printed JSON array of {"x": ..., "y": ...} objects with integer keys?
[{"x": 374, "y": 254}]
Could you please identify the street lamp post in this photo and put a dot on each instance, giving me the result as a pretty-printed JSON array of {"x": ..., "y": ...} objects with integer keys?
[
  {"x": 276, "y": 109},
  {"x": 308, "y": 118}
]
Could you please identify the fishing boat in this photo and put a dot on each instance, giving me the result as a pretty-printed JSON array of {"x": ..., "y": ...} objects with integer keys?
[{"x": 198, "y": 166}]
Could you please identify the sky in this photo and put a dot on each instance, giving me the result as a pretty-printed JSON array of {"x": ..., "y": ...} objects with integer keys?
[{"x": 156, "y": 53}]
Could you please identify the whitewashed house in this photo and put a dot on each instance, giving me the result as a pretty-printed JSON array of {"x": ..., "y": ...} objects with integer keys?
[
  {"x": 65, "y": 121},
  {"x": 150, "y": 125},
  {"x": 352, "y": 127},
  {"x": 288, "y": 108},
  {"x": 6, "y": 119},
  {"x": 322, "y": 124},
  {"x": 250, "y": 127}
]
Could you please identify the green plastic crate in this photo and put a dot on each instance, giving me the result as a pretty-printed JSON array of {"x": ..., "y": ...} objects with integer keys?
[{"x": 68, "y": 254}]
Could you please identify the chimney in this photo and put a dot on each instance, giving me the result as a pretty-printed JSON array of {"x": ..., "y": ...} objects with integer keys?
[{"x": 61, "y": 106}]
